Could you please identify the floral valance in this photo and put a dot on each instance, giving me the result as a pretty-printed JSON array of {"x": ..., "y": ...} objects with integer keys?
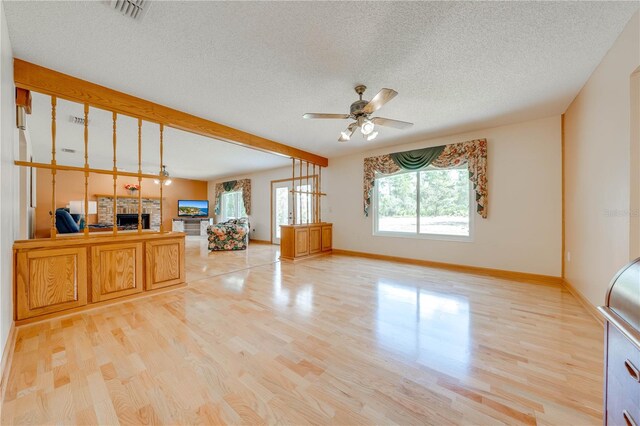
[
  {"x": 243, "y": 185},
  {"x": 473, "y": 153}
]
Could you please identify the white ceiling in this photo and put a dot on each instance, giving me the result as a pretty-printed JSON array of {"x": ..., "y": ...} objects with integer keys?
[
  {"x": 258, "y": 66},
  {"x": 185, "y": 154}
]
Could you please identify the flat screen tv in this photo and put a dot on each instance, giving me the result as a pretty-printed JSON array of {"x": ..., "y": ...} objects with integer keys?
[{"x": 193, "y": 208}]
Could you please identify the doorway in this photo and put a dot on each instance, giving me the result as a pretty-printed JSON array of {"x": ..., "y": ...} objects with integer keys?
[
  {"x": 281, "y": 208},
  {"x": 282, "y": 203}
]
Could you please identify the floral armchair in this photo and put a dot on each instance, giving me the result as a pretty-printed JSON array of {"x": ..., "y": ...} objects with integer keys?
[{"x": 230, "y": 235}]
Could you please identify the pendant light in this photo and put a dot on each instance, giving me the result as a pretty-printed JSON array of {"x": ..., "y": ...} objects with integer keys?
[{"x": 164, "y": 173}]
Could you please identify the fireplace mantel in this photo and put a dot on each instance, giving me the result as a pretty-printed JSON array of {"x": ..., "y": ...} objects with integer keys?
[{"x": 128, "y": 196}]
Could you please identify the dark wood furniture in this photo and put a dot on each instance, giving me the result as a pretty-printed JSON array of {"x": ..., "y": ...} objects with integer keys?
[{"x": 622, "y": 348}]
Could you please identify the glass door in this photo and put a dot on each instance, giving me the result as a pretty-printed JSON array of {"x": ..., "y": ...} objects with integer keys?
[{"x": 282, "y": 209}]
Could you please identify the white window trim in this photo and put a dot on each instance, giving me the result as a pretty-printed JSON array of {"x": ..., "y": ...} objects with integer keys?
[
  {"x": 238, "y": 195},
  {"x": 422, "y": 236}
]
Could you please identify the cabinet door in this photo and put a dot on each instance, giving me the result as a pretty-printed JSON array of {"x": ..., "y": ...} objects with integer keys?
[
  {"x": 327, "y": 237},
  {"x": 204, "y": 225},
  {"x": 315, "y": 239},
  {"x": 165, "y": 265},
  {"x": 116, "y": 270},
  {"x": 50, "y": 280},
  {"x": 302, "y": 242}
]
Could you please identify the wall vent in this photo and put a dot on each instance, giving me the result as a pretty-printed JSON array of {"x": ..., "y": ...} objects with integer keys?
[
  {"x": 135, "y": 9},
  {"x": 77, "y": 120}
]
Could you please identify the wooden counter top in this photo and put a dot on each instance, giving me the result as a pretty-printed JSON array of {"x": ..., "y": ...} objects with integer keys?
[{"x": 69, "y": 240}]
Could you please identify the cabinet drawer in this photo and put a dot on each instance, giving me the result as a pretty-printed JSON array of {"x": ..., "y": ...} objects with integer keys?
[{"x": 623, "y": 385}]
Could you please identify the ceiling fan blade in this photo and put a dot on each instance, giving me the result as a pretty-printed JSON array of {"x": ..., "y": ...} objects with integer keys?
[
  {"x": 315, "y": 115},
  {"x": 391, "y": 123},
  {"x": 383, "y": 96}
]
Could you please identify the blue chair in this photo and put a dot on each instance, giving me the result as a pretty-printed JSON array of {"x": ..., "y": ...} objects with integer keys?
[{"x": 65, "y": 223}]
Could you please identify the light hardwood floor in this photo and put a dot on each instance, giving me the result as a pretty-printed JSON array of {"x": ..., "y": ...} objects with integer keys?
[{"x": 335, "y": 339}]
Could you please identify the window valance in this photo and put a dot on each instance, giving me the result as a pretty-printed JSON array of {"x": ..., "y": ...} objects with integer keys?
[
  {"x": 473, "y": 153},
  {"x": 243, "y": 185}
]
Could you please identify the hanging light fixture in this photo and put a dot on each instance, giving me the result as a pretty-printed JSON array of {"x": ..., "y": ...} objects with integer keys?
[
  {"x": 367, "y": 127},
  {"x": 165, "y": 174},
  {"x": 346, "y": 135}
]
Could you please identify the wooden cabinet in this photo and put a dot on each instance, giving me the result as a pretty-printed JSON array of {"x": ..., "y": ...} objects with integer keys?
[
  {"x": 54, "y": 276},
  {"x": 315, "y": 239},
  {"x": 192, "y": 225},
  {"x": 165, "y": 263},
  {"x": 327, "y": 237},
  {"x": 302, "y": 241},
  {"x": 50, "y": 280},
  {"x": 116, "y": 270}
]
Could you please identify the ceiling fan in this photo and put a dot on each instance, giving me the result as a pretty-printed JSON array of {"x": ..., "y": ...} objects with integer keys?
[{"x": 360, "y": 111}]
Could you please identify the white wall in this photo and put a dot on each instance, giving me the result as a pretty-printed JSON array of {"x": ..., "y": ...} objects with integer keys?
[
  {"x": 8, "y": 179},
  {"x": 598, "y": 148},
  {"x": 260, "y": 217},
  {"x": 523, "y": 231}
]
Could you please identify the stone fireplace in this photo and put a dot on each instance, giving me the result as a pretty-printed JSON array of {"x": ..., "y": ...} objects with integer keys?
[
  {"x": 130, "y": 220},
  {"x": 127, "y": 206}
]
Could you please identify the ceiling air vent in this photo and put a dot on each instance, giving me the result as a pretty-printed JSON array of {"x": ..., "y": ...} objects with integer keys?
[{"x": 135, "y": 9}]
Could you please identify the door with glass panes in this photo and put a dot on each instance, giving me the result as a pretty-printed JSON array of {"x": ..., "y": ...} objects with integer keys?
[{"x": 282, "y": 206}]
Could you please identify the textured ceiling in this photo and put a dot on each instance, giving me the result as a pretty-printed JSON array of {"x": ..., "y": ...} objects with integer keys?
[{"x": 259, "y": 66}]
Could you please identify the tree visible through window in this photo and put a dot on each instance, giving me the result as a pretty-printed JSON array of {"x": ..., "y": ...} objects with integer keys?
[
  {"x": 232, "y": 206},
  {"x": 430, "y": 201}
]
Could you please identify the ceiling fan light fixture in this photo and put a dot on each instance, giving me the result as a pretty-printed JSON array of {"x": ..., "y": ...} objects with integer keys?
[
  {"x": 360, "y": 111},
  {"x": 367, "y": 127},
  {"x": 164, "y": 177}
]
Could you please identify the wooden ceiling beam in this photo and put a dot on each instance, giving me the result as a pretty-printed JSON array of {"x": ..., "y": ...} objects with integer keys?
[{"x": 39, "y": 79}]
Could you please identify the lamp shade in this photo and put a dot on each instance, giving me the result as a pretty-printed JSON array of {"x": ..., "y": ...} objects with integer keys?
[{"x": 77, "y": 207}]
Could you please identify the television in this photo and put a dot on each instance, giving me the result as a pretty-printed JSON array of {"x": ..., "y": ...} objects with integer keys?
[{"x": 193, "y": 208}]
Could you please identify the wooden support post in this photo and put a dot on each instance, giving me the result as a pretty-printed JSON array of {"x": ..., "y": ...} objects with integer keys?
[
  {"x": 53, "y": 164},
  {"x": 23, "y": 99},
  {"x": 161, "y": 175},
  {"x": 139, "y": 175},
  {"x": 307, "y": 196},
  {"x": 115, "y": 179},
  {"x": 293, "y": 194},
  {"x": 320, "y": 193},
  {"x": 86, "y": 169},
  {"x": 297, "y": 194},
  {"x": 315, "y": 192}
]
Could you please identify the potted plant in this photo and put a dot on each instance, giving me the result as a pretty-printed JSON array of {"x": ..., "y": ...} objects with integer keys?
[{"x": 132, "y": 188}]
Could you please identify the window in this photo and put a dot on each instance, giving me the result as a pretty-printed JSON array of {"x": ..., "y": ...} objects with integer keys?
[
  {"x": 304, "y": 204},
  {"x": 232, "y": 206},
  {"x": 430, "y": 202}
]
